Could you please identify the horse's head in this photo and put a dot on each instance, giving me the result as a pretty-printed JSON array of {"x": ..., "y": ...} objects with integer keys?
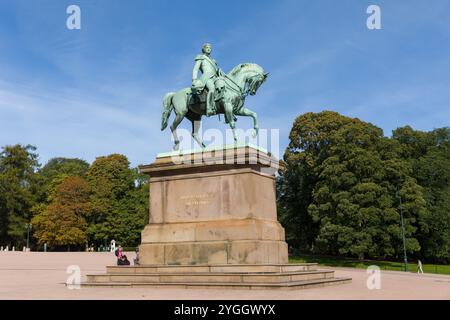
[
  {"x": 250, "y": 76},
  {"x": 255, "y": 82}
]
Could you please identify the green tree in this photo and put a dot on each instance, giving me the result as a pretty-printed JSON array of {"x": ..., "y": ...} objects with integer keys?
[
  {"x": 429, "y": 155},
  {"x": 340, "y": 180},
  {"x": 62, "y": 223},
  {"x": 18, "y": 189},
  {"x": 59, "y": 168},
  {"x": 414, "y": 143},
  {"x": 118, "y": 206}
]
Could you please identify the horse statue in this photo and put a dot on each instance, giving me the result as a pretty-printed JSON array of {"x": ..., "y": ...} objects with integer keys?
[{"x": 231, "y": 91}]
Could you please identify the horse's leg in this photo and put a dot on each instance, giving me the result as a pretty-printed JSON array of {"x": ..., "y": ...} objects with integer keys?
[
  {"x": 228, "y": 109},
  {"x": 173, "y": 128},
  {"x": 180, "y": 108},
  {"x": 195, "y": 128},
  {"x": 249, "y": 113}
]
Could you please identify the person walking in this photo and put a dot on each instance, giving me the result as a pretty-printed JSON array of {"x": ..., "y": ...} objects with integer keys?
[{"x": 419, "y": 267}]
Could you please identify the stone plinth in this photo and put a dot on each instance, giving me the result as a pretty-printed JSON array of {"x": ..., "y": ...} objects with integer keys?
[
  {"x": 213, "y": 224},
  {"x": 214, "y": 207}
]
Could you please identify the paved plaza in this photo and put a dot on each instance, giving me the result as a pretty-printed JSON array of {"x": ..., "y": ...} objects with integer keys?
[{"x": 37, "y": 275}]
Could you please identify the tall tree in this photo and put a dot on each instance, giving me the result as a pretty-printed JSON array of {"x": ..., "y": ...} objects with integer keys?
[
  {"x": 55, "y": 169},
  {"x": 62, "y": 223},
  {"x": 18, "y": 189},
  {"x": 117, "y": 202},
  {"x": 414, "y": 143},
  {"x": 341, "y": 180},
  {"x": 429, "y": 154}
]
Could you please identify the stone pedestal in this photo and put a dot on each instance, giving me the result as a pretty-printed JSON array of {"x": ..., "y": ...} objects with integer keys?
[
  {"x": 213, "y": 224},
  {"x": 213, "y": 208}
]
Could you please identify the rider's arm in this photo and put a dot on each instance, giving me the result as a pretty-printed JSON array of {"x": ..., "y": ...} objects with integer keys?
[{"x": 196, "y": 68}]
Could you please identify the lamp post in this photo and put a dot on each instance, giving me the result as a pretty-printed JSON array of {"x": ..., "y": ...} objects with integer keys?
[
  {"x": 403, "y": 231},
  {"x": 28, "y": 226}
]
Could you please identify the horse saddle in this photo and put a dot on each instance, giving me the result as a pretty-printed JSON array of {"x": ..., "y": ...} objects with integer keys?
[{"x": 199, "y": 90}]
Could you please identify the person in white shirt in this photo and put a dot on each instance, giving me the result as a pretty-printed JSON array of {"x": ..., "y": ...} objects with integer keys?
[{"x": 419, "y": 267}]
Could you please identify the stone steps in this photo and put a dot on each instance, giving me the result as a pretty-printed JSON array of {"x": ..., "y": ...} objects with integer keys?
[
  {"x": 297, "y": 285},
  {"x": 284, "y": 277},
  {"x": 289, "y": 276},
  {"x": 248, "y": 268}
]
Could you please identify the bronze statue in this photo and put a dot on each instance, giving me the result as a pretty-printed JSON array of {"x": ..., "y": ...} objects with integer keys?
[
  {"x": 210, "y": 72},
  {"x": 225, "y": 93}
]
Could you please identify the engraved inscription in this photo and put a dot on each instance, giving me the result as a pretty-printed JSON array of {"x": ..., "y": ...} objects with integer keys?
[{"x": 197, "y": 199}]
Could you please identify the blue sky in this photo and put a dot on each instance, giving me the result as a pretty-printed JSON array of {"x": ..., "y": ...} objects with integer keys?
[{"x": 96, "y": 91}]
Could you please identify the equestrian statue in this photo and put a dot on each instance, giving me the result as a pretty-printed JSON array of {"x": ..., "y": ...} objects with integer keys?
[{"x": 215, "y": 92}]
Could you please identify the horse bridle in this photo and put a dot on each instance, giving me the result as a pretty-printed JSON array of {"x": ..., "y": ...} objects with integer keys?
[{"x": 243, "y": 93}]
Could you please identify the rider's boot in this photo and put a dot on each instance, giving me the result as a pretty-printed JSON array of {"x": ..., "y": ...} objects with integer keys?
[{"x": 209, "y": 108}]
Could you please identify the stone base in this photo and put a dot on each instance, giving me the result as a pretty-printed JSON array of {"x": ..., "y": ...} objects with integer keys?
[
  {"x": 264, "y": 276},
  {"x": 213, "y": 211},
  {"x": 246, "y": 241},
  {"x": 218, "y": 252}
]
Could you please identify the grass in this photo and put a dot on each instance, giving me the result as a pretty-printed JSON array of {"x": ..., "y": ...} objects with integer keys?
[{"x": 354, "y": 263}]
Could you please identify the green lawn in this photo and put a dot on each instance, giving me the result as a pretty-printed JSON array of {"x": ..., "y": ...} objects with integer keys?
[{"x": 354, "y": 263}]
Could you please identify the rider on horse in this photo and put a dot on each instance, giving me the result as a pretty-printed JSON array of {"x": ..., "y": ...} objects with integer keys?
[{"x": 210, "y": 73}]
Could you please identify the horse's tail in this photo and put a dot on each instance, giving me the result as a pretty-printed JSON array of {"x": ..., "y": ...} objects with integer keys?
[{"x": 168, "y": 107}]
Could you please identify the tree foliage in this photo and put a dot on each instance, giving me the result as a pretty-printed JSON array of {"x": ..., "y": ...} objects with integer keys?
[
  {"x": 62, "y": 223},
  {"x": 18, "y": 188},
  {"x": 55, "y": 170},
  {"x": 69, "y": 202},
  {"x": 429, "y": 155},
  {"x": 341, "y": 181},
  {"x": 119, "y": 206}
]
